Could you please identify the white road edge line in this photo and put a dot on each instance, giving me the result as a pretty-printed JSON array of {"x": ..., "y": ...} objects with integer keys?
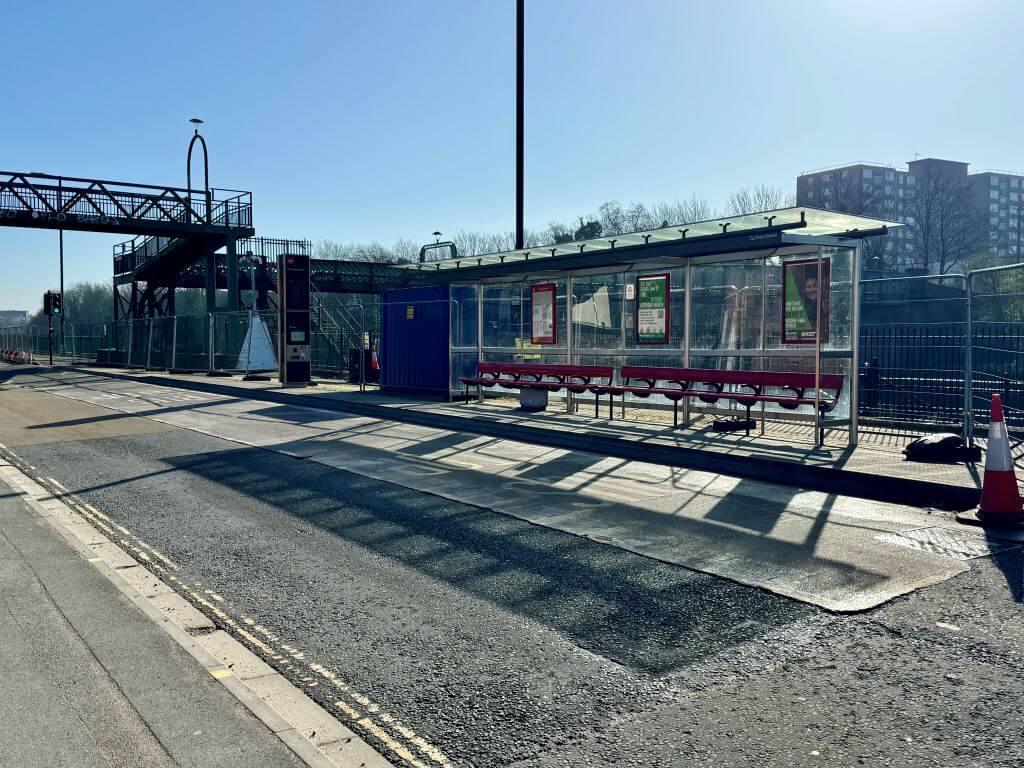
[{"x": 108, "y": 558}]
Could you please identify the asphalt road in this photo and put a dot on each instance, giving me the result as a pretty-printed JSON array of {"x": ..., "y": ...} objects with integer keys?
[{"x": 494, "y": 642}]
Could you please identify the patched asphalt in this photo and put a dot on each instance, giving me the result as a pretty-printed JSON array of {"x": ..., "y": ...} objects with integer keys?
[{"x": 507, "y": 644}]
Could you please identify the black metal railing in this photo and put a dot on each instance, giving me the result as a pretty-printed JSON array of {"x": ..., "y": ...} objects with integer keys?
[
  {"x": 70, "y": 200},
  {"x": 233, "y": 212}
]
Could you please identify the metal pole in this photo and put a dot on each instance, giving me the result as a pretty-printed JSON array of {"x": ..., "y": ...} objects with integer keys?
[
  {"x": 209, "y": 316},
  {"x": 969, "y": 362},
  {"x": 62, "y": 305},
  {"x": 50, "y": 337},
  {"x": 855, "y": 349},
  {"x": 818, "y": 437},
  {"x": 131, "y": 340},
  {"x": 764, "y": 302},
  {"x": 174, "y": 342},
  {"x": 520, "y": 118},
  {"x": 687, "y": 303},
  {"x": 568, "y": 335},
  {"x": 149, "y": 346},
  {"x": 479, "y": 333}
]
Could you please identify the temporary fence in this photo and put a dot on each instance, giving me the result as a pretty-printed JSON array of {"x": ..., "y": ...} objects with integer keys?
[{"x": 916, "y": 367}]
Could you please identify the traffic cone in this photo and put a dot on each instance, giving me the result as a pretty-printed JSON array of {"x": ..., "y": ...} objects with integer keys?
[
  {"x": 1001, "y": 505},
  {"x": 374, "y": 363}
]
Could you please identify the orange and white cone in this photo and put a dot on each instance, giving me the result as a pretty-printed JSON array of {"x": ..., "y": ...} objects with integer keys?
[
  {"x": 1001, "y": 504},
  {"x": 374, "y": 362}
]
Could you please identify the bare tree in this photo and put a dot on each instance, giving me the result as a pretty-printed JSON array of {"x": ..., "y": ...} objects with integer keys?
[
  {"x": 612, "y": 218},
  {"x": 331, "y": 249},
  {"x": 760, "y": 198},
  {"x": 944, "y": 229},
  {"x": 846, "y": 194},
  {"x": 682, "y": 211},
  {"x": 405, "y": 251},
  {"x": 638, "y": 218}
]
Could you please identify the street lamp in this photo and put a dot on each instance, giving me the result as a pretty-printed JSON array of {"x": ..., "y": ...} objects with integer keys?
[
  {"x": 437, "y": 238},
  {"x": 206, "y": 170}
]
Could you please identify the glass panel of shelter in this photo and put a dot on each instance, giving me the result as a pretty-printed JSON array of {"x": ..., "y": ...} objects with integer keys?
[{"x": 736, "y": 320}]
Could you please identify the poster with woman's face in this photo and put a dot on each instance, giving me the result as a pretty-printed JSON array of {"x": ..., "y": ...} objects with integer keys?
[{"x": 802, "y": 288}]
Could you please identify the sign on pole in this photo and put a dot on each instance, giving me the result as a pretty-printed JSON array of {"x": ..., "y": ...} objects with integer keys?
[
  {"x": 542, "y": 313},
  {"x": 801, "y": 291},
  {"x": 652, "y": 309}
]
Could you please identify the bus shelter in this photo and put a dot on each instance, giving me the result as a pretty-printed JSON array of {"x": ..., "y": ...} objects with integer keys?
[{"x": 772, "y": 291}]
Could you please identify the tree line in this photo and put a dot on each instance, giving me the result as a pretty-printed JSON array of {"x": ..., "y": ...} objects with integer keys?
[
  {"x": 611, "y": 218},
  {"x": 92, "y": 302}
]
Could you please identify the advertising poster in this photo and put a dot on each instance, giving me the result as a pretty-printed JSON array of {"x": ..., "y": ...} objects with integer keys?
[
  {"x": 801, "y": 288},
  {"x": 652, "y": 309},
  {"x": 542, "y": 303}
]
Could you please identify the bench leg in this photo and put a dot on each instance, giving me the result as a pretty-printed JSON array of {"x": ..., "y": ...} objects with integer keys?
[
  {"x": 623, "y": 405},
  {"x": 611, "y": 406},
  {"x": 748, "y": 421},
  {"x": 675, "y": 414},
  {"x": 597, "y": 404}
]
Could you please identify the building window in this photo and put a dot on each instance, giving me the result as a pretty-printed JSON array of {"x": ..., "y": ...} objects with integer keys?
[
  {"x": 889, "y": 175},
  {"x": 867, "y": 173},
  {"x": 910, "y": 180},
  {"x": 994, "y": 181},
  {"x": 994, "y": 194},
  {"x": 1014, "y": 183},
  {"x": 1014, "y": 196},
  {"x": 993, "y": 207},
  {"x": 888, "y": 189}
]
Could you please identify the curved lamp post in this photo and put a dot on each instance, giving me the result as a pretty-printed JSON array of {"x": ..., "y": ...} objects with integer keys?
[{"x": 206, "y": 171}]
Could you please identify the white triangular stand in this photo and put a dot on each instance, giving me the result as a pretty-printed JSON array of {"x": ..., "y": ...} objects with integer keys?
[{"x": 257, "y": 353}]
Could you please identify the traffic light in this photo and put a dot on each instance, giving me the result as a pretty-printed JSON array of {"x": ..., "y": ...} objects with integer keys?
[{"x": 52, "y": 304}]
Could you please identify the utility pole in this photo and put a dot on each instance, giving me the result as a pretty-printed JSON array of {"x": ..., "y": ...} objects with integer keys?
[
  {"x": 63, "y": 345},
  {"x": 520, "y": 36}
]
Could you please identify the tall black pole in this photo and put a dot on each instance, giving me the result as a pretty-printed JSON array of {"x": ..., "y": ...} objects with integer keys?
[
  {"x": 520, "y": 35},
  {"x": 62, "y": 305},
  {"x": 60, "y": 207}
]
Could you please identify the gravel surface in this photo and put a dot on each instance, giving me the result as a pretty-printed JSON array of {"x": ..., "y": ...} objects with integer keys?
[{"x": 505, "y": 644}]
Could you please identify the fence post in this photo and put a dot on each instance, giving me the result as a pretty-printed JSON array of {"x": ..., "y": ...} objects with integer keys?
[
  {"x": 131, "y": 340},
  {"x": 174, "y": 342},
  {"x": 209, "y": 316},
  {"x": 969, "y": 365},
  {"x": 149, "y": 345}
]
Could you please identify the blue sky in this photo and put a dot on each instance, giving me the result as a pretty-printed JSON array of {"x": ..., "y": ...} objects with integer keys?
[{"x": 358, "y": 121}]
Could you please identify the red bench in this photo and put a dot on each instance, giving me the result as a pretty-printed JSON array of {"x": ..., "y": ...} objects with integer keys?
[
  {"x": 789, "y": 390},
  {"x": 572, "y": 378}
]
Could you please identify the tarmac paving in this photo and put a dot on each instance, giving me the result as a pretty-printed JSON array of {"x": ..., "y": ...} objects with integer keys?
[
  {"x": 497, "y": 642},
  {"x": 837, "y": 552}
]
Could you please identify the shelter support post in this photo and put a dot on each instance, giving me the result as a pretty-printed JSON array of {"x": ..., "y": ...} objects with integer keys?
[
  {"x": 687, "y": 308},
  {"x": 855, "y": 347},
  {"x": 479, "y": 334},
  {"x": 568, "y": 335},
  {"x": 819, "y": 429},
  {"x": 968, "y": 419}
]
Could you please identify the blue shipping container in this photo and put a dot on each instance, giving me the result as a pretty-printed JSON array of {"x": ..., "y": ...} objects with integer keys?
[{"x": 415, "y": 329}]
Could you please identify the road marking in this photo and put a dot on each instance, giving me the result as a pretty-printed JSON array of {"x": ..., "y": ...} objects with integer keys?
[
  {"x": 289, "y": 660},
  {"x": 220, "y": 674}
]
